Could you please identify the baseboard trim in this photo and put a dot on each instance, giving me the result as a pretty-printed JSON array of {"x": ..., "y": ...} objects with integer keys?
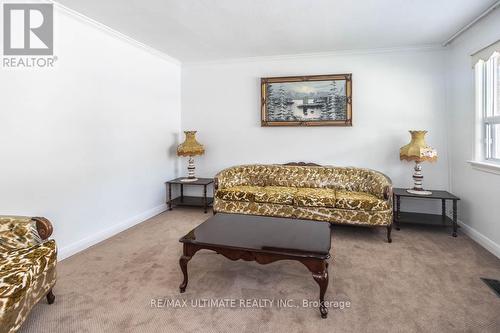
[
  {"x": 68, "y": 251},
  {"x": 481, "y": 239}
]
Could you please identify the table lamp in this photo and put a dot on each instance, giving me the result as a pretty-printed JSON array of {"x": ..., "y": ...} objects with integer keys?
[
  {"x": 190, "y": 147},
  {"x": 417, "y": 150}
]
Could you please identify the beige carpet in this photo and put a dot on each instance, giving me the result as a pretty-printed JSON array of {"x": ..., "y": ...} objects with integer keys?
[{"x": 425, "y": 281}]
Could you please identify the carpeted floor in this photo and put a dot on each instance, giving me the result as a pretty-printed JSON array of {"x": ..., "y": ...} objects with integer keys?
[{"x": 425, "y": 281}]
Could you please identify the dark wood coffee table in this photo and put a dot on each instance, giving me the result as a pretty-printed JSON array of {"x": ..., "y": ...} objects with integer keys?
[{"x": 264, "y": 240}]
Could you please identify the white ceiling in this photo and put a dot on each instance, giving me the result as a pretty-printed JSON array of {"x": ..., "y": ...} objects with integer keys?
[{"x": 200, "y": 30}]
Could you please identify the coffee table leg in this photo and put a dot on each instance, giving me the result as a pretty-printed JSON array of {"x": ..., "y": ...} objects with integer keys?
[
  {"x": 322, "y": 280},
  {"x": 319, "y": 270},
  {"x": 188, "y": 253}
]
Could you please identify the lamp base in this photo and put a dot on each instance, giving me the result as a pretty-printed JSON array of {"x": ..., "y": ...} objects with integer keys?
[
  {"x": 419, "y": 192},
  {"x": 191, "y": 177},
  {"x": 187, "y": 180},
  {"x": 417, "y": 181}
]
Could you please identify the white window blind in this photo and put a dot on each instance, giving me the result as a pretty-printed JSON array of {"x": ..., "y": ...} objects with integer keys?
[{"x": 487, "y": 71}]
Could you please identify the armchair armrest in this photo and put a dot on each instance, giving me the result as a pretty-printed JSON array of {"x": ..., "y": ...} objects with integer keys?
[
  {"x": 43, "y": 227},
  {"x": 20, "y": 232}
]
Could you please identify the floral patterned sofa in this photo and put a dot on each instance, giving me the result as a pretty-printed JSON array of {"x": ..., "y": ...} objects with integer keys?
[
  {"x": 27, "y": 268},
  {"x": 306, "y": 191}
]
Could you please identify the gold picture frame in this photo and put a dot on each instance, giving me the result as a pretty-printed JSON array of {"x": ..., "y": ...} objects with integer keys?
[{"x": 314, "y": 100}]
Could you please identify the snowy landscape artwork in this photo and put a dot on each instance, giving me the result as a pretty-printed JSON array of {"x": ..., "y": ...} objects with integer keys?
[{"x": 306, "y": 100}]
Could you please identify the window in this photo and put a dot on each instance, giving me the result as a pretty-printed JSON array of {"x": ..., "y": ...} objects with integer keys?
[{"x": 488, "y": 110}]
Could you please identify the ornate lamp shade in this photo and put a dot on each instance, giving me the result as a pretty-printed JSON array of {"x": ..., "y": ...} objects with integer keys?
[
  {"x": 190, "y": 147},
  {"x": 419, "y": 151}
]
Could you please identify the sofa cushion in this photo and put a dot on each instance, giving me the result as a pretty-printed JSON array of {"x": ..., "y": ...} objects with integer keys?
[
  {"x": 315, "y": 197},
  {"x": 359, "y": 201},
  {"x": 238, "y": 193},
  {"x": 275, "y": 194}
]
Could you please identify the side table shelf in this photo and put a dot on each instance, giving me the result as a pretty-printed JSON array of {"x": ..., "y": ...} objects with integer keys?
[
  {"x": 424, "y": 218},
  {"x": 185, "y": 200}
]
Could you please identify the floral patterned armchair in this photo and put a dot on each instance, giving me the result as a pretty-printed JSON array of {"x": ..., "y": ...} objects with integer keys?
[{"x": 27, "y": 268}]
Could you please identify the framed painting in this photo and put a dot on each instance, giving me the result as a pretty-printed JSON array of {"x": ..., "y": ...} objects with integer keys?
[{"x": 316, "y": 100}]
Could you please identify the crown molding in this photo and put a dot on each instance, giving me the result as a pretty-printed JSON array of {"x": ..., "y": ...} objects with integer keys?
[
  {"x": 114, "y": 33},
  {"x": 416, "y": 48},
  {"x": 471, "y": 23},
  {"x": 279, "y": 57}
]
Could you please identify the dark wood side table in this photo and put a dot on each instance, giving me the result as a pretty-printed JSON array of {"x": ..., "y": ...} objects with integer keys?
[
  {"x": 184, "y": 200},
  {"x": 427, "y": 219}
]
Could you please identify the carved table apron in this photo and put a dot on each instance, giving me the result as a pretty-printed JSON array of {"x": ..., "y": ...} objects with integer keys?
[{"x": 318, "y": 267}]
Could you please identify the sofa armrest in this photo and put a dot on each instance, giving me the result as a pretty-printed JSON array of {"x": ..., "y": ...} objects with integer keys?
[
  {"x": 388, "y": 192},
  {"x": 224, "y": 178},
  {"x": 381, "y": 186},
  {"x": 387, "y": 188},
  {"x": 216, "y": 184},
  {"x": 216, "y": 187}
]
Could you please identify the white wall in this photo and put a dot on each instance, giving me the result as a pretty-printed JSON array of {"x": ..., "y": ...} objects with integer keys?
[
  {"x": 89, "y": 143},
  {"x": 479, "y": 191},
  {"x": 393, "y": 91}
]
